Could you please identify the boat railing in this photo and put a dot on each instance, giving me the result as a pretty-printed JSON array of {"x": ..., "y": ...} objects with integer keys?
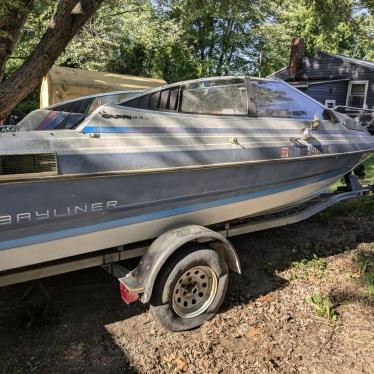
[
  {"x": 352, "y": 109},
  {"x": 8, "y": 128}
]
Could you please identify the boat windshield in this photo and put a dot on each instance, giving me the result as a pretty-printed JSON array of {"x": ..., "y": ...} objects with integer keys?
[
  {"x": 235, "y": 96},
  {"x": 219, "y": 97},
  {"x": 226, "y": 96},
  {"x": 276, "y": 99}
]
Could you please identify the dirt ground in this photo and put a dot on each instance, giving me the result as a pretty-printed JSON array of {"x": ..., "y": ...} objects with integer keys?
[{"x": 302, "y": 305}]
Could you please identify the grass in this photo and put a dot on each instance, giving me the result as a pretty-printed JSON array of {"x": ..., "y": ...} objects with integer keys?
[
  {"x": 356, "y": 206},
  {"x": 369, "y": 174},
  {"x": 369, "y": 170},
  {"x": 365, "y": 263}
]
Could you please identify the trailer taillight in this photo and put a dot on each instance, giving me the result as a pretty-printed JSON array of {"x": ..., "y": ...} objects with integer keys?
[
  {"x": 126, "y": 296},
  {"x": 130, "y": 289}
]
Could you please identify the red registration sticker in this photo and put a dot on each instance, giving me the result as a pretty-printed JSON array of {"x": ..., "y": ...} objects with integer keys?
[{"x": 284, "y": 152}]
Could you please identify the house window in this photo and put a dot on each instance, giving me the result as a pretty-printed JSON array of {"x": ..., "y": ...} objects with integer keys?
[{"x": 356, "y": 95}]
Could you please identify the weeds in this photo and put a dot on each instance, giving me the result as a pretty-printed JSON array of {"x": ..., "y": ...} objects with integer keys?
[
  {"x": 369, "y": 170},
  {"x": 365, "y": 263},
  {"x": 322, "y": 306},
  {"x": 304, "y": 268}
]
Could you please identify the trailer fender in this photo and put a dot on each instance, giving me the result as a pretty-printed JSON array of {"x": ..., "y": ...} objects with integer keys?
[{"x": 166, "y": 244}]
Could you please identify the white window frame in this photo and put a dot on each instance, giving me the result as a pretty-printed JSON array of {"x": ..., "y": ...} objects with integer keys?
[{"x": 350, "y": 83}]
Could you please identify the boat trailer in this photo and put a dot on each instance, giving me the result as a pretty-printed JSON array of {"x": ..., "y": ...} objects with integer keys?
[{"x": 143, "y": 282}]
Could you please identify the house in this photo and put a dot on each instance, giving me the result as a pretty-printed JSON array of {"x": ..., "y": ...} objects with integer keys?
[{"x": 333, "y": 80}]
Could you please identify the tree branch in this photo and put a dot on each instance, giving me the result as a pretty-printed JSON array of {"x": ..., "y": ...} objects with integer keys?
[
  {"x": 67, "y": 20},
  {"x": 11, "y": 23}
]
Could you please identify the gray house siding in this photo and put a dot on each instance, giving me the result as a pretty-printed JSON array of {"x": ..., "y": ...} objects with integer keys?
[
  {"x": 322, "y": 67},
  {"x": 328, "y": 91}
]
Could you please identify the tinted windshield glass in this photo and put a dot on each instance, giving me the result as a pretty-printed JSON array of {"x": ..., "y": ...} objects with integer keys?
[
  {"x": 222, "y": 96},
  {"x": 276, "y": 99}
]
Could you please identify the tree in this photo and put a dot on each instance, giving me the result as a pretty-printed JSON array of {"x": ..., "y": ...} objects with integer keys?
[
  {"x": 67, "y": 19},
  {"x": 335, "y": 26},
  {"x": 171, "y": 39}
]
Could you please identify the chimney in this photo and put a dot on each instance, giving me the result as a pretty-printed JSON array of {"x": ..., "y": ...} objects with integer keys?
[{"x": 296, "y": 56}]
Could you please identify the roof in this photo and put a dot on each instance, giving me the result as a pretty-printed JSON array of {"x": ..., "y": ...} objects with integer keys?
[
  {"x": 274, "y": 74},
  {"x": 364, "y": 63},
  {"x": 356, "y": 61}
]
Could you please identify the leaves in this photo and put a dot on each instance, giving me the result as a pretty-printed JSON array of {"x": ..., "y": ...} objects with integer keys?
[
  {"x": 365, "y": 263},
  {"x": 322, "y": 306},
  {"x": 186, "y": 39}
]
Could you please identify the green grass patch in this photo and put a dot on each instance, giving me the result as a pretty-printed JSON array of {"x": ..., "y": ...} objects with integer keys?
[
  {"x": 365, "y": 263},
  {"x": 361, "y": 206},
  {"x": 369, "y": 174},
  {"x": 369, "y": 170}
]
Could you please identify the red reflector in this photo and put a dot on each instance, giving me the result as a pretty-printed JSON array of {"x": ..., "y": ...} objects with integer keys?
[{"x": 126, "y": 296}]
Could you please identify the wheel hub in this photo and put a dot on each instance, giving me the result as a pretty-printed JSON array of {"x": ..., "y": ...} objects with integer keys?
[{"x": 194, "y": 291}]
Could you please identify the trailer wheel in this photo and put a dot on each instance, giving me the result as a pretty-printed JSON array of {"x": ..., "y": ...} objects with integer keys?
[{"x": 190, "y": 288}]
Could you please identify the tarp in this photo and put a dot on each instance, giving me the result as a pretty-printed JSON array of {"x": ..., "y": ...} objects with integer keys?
[{"x": 62, "y": 84}]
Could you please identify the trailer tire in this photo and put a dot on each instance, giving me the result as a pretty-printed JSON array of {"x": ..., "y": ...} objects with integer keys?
[{"x": 199, "y": 275}]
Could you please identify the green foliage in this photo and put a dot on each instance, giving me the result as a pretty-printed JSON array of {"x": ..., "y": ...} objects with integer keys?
[
  {"x": 322, "y": 306},
  {"x": 36, "y": 24},
  {"x": 365, "y": 264},
  {"x": 186, "y": 39},
  {"x": 369, "y": 170},
  {"x": 305, "y": 268},
  {"x": 10, "y": 5},
  {"x": 183, "y": 39},
  {"x": 335, "y": 26}
]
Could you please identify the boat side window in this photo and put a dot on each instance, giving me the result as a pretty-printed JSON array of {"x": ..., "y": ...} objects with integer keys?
[
  {"x": 154, "y": 99},
  {"x": 219, "y": 97},
  {"x": 76, "y": 106},
  {"x": 143, "y": 101},
  {"x": 160, "y": 100},
  {"x": 276, "y": 99}
]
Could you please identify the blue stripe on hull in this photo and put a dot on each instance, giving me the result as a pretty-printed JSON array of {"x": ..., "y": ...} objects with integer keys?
[
  {"x": 159, "y": 214},
  {"x": 194, "y": 130}
]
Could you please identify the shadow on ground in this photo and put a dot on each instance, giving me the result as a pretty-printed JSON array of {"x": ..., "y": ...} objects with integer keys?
[{"x": 72, "y": 335}]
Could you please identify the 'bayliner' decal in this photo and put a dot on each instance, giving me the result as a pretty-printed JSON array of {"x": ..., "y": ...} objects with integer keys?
[{"x": 69, "y": 211}]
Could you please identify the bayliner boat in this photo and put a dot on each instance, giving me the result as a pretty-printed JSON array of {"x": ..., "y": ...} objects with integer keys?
[{"x": 196, "y": 152}]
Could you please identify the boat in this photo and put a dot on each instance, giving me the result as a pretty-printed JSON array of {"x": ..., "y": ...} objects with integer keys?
[{"x": 198, "y": 152}]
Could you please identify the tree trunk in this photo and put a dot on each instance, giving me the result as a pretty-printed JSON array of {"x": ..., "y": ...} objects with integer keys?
[
  {"x": 67, "y": 20},
  {"x": 11, "y": 23}
]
